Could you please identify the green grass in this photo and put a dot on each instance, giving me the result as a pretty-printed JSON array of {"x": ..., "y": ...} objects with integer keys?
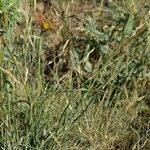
[{"x": 88, "y": 92}]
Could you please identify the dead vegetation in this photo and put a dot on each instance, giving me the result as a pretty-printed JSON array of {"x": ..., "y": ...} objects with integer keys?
[{"x": 85, "y": 76}]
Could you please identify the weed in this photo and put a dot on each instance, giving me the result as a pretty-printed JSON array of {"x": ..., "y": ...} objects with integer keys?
[{"x": 81, "y": 84}]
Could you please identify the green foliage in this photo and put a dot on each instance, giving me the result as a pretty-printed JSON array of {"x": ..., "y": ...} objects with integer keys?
[
  {"x": 128, "y": 29},
  {"x": 93, "y": 32},
  {"x": 100, "y": 102}
]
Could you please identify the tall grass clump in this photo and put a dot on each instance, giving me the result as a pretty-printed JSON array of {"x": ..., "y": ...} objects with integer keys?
[{"x": 82, "y": 86}]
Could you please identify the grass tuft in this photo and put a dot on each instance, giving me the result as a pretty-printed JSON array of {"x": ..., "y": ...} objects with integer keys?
[{"x": 74, "y": 75}]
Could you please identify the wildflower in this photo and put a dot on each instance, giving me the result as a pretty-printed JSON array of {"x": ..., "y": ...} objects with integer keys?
[{"x": 46, "y": 24}]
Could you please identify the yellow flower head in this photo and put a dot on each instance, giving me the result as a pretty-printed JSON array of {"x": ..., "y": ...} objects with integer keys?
[{"x": 46, "y": 24}]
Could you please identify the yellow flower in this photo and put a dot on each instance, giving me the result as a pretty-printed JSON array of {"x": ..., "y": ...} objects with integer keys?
[{"x": 46, "y": 24}]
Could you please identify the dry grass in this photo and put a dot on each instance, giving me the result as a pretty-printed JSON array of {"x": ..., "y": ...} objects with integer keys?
[{"x": 74, "y": 75}]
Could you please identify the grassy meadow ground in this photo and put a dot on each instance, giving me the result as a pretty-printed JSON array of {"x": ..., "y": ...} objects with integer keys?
[{"x": 74, "y": 75}]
